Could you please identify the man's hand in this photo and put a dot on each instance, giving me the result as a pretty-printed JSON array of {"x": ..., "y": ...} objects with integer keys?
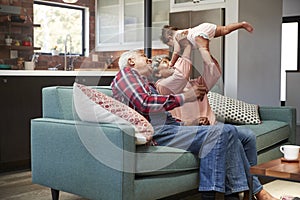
[{"x": 196, "y": 92}]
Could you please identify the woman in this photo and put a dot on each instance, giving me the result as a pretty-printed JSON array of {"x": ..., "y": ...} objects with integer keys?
[{"x": 175, "y": 80}]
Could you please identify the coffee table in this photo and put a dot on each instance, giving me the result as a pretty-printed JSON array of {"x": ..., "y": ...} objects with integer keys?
[{"x": 279, "y": 168}]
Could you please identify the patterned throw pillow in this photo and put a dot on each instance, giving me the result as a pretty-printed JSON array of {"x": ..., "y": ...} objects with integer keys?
[
  {"x": 233, "y": 111},
  {"x": 93, "y": 106}
]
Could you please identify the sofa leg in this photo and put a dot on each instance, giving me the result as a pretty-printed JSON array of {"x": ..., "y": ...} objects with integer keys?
[{"x": 55, "y": 194}]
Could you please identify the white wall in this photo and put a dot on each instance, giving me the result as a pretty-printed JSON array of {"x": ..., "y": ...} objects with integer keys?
[
  {"x": 252, "y": 61},
  {"x": 291, "y": 8},
  {"x": 292, "y": 91}
]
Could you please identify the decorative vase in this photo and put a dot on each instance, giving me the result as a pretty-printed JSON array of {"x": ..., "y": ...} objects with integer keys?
[{"x": 8, "y": 41}]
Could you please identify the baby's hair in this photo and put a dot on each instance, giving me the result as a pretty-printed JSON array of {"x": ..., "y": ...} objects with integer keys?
[{"x": 166, "y": 31}]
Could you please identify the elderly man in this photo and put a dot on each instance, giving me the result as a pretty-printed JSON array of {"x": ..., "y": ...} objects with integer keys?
[{"x": 218, "y": 147}]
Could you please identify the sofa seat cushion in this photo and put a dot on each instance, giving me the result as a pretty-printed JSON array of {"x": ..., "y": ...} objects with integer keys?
[
  {"x": 157, "y": 160},
  {"x": 270, "y": 133}
]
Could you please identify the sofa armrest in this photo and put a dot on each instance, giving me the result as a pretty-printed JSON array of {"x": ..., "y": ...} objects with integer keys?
[
  {"x": 65, "y": 153},
  {"x": 285, "y": 114}
]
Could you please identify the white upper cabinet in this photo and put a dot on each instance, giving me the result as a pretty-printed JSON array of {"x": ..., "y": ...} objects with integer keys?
[
  {"x": 120, "y": 24},
  {"x": 195, "y": 5}
]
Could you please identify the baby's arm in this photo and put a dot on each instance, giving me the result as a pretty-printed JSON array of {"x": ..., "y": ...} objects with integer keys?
[{"x": 176, "y": 52}]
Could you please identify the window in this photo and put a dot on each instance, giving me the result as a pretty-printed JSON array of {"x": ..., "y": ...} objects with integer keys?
[
  {"x": 289, "y": 50},
  {"x": 120, "y": 24},
  {"x": 61, "y": 26}
]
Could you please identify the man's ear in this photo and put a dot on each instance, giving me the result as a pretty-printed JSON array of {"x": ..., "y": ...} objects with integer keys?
[{"x": 131, "y": 62}]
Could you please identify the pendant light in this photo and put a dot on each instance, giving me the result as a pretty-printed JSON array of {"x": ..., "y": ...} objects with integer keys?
[{"x": 70, "y": 1}]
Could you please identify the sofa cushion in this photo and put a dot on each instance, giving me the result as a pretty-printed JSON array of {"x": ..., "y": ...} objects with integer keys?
[
  {"x": 58, "y": 101},
  {"x": 233, "y": 111},
  {"x": 93, "y": 106},
  {"x": 157, "y": 160},
  {"x": 270, "y": 133}
]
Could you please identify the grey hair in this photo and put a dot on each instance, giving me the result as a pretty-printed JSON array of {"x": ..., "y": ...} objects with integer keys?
[{"x": 123, "y": 60}]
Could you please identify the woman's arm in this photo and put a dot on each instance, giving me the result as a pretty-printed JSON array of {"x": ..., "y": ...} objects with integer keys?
[{"x": 176, "y": 83}]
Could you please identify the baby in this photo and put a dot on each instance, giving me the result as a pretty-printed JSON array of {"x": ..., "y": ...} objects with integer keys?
[{"x": 199, "y": 37}]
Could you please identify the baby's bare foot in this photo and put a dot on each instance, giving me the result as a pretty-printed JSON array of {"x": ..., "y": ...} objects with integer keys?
[{"x": 247, "y": 27}]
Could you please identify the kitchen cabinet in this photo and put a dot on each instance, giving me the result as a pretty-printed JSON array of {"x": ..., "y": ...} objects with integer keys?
[
  {"x": 17, "y": 31},
  {"x": 193, "y": 5},
  {"x": 120, "y": 24},
  {"x": 21, "y": 100}
]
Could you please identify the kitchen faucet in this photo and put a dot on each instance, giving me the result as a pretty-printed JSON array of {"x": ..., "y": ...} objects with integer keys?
[
  {"x": 35, "y": 58},
  {"x": 68, "y": 66}
]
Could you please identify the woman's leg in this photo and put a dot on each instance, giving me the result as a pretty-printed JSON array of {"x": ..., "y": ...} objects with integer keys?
[
  {"x": 248, "y": 140},
  {"x": 209, "y": 143},
  {"x": 211, "y": 70}
]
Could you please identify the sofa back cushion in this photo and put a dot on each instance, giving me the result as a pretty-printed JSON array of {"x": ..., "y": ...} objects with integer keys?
[{"x": 57, "y": 101}]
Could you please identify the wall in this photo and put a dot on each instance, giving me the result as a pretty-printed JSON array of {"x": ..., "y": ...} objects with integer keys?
[
  {"x": 46, "y": 61},
  {"x": 291, "y": 8},
  {"x": 292, "y": 88},
  {"x": 16, "y": 32},
  {"x": 252, "y": 61}
]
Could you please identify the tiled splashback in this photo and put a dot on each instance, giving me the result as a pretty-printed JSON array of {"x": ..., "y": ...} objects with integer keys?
[{"x": 105, "y": 60}]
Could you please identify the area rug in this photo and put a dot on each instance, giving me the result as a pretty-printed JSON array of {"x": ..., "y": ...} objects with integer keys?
[{"x": 279, "y": 188}]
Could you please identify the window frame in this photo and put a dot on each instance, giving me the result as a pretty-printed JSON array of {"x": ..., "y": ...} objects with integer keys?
[
  {"x": 84, "y": 27},
  {"x": 289, "y": 20}
]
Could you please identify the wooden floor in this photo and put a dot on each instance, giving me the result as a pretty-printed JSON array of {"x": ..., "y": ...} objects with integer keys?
[{"x": 18, "y": 186}]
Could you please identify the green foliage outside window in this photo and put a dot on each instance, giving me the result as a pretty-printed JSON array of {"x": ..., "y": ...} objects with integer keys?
[{"x": 56, "y": 23}]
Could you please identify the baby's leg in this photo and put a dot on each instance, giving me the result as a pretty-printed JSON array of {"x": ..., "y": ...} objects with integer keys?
[{"x": 224, "y": 30}]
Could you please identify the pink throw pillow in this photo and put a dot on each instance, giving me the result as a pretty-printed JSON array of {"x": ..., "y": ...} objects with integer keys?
[{"x": 93, "y": 106}]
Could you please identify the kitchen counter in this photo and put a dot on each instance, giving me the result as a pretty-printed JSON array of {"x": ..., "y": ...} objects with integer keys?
[{"x": 56, "y": 73}]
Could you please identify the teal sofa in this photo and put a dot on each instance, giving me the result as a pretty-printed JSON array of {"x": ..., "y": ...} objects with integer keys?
[{"x": 101, "y": 161}]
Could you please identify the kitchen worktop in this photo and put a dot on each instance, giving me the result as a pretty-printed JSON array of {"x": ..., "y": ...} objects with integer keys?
[{"x": 56, "y": 73}]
